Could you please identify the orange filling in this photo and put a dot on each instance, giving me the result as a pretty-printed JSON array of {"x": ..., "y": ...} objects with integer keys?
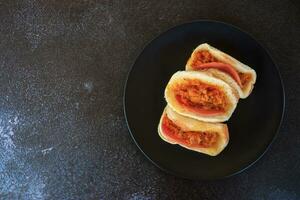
[
  {"x": 245, "y": 78},
  {"x": 204, "y": 59},
  {"x": 200, "y": 97},
  {"x": 189, "y": 138}
]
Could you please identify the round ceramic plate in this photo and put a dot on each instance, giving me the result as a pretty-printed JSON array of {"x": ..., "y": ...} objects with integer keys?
[{"x": 252, "y": 126}]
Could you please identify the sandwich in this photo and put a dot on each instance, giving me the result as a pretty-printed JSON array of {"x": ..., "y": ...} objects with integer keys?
[
  {"x": 222, "y": 66},
  {"x": 200, "y": 96},
  {"x": 203, "y": 137}
]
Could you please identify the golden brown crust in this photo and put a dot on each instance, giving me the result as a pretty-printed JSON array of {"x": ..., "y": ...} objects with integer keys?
[
  {"x": 188, "y": 124},
  {"x": 226, "y": 78},
  {"x": 183, "y": 76},
  {"x": 243, "y": 91}
]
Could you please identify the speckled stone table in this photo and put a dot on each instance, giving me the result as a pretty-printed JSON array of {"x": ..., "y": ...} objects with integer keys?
[{"x": 63, "y": 67}]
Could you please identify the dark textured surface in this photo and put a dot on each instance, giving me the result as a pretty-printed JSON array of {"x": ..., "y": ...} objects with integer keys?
[{"x": 63, "y": 67}]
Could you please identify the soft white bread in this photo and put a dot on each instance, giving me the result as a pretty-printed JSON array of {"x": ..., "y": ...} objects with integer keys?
[
  {"x": 226, "y": 78},
  {"x": 182, "y": 76},
  {"x": 188, "y": 124},
  {"x": 243, "y": 92}
]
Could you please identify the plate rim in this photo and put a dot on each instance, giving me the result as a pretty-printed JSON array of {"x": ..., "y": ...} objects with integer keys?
[{"x": 279, "y": 125}]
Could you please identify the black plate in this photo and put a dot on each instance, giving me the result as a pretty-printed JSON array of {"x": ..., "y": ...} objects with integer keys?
[{"x": 252, "y": 126}]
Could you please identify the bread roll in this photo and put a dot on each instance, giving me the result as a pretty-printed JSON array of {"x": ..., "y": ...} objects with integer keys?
[
  {"x": 200, "y": 96},
  {"x": 240, "y": 76},
  {"x": 203, "y": 137}
]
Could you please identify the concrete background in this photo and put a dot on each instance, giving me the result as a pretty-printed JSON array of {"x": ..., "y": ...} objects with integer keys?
[{"x": 63, "y": 67}]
